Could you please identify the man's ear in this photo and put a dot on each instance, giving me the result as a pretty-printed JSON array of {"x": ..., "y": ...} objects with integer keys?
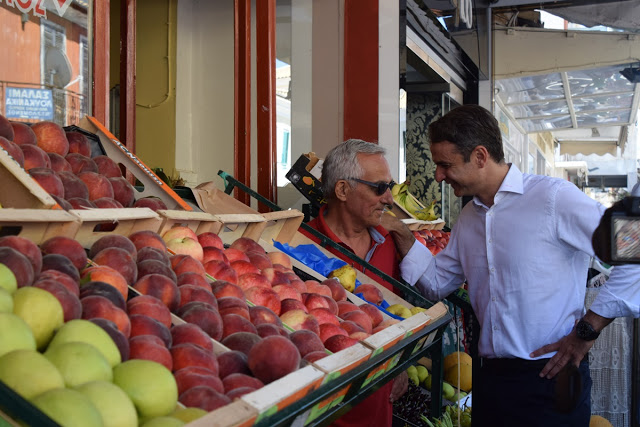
[
  {"x": 342, "y": 190},
  {"x": 480, "y": 155}
]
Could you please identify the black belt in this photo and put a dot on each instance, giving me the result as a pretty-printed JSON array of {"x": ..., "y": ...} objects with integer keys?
[{"x": 515, "y": 364}]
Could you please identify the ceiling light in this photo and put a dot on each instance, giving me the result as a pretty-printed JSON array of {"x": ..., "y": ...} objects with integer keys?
[{"x": 632, "y": 74}]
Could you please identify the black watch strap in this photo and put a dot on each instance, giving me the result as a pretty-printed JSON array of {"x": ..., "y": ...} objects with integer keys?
[{"x": 585, "y": 331}]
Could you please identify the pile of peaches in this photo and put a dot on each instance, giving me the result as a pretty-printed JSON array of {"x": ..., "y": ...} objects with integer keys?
[
  {"x": 61, "y": 163},
  {"x": 434, "y": 240},
  {"x": 167, "y": 298}
]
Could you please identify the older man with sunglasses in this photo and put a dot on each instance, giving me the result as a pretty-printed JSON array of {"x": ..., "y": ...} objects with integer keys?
[{"x": 356, "y": 182}]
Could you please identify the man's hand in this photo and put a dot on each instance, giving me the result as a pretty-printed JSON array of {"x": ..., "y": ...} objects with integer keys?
[
  {"x": 570, "y": 349},
  {"x": 402, "y": 236},
  {"x": 400, "y": 385}
]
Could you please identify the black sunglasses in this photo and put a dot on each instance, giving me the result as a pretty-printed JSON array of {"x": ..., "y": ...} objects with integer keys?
[{"x": 380, "y": 187}]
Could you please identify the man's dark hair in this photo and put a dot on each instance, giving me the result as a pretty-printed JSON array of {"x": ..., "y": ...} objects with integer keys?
[{"x": 467, "y": 127}]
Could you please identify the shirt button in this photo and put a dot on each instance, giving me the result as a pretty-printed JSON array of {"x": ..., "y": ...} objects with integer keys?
[
  {"x": 495, "y": 328},
  {"x": 493, "y": 269},
  {"x": 493, "y": 298},
  {"x": 490, "y": 240}
]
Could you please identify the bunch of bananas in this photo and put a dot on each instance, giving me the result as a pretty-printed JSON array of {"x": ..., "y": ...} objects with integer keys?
[{"x": 402, "y": 197}]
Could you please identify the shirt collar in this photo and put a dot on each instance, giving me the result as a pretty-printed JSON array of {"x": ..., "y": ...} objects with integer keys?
[{"x": 512, "y": 183}]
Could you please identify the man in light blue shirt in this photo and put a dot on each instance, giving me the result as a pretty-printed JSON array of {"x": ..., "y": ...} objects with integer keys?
[{"x": 523, "y": 246}]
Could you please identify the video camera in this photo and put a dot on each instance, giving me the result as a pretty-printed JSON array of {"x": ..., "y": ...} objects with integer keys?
[{"x": 617, "y": 238}]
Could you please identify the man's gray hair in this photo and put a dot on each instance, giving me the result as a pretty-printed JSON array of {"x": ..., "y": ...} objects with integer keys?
[{"x": 342, "y": 163}]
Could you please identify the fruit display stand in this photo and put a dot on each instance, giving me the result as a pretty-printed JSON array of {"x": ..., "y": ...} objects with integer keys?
[
  {"x": 19, "y": 190},
  {"x": 416, "y": 224}
]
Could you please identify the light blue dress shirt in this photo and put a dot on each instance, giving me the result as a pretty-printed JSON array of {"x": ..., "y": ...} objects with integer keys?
[{"x": 525, "y": 260}]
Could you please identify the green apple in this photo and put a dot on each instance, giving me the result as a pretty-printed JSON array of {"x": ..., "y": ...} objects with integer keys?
[
  {"x": 79, "y": 362},
  {"x": 8, "y": 280},
  {"x": 188, "y": 414},
  {"x": 41, "y": 310},
  {"x": 29, "y": 373},
  {"x": 427, "y": 382},
  {"x": 6, "y": 301},
  {"x": 448, "y": 392},
  {"x": 15, "y": 334},
  {"x": 423, "y": 373},
  {"x": 150, "y": 386},
  {"x": 163, "y": 422},
  {"x": 68, "y": 407},
  {"x": 114, "y": 405},
  {"x": 90, "y": 333}
]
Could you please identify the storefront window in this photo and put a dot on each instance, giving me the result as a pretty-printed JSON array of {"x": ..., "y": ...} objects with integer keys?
[{"x": 45, "y": 68}]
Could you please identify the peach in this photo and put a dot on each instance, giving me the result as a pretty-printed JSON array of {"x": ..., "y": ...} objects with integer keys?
[
  {"x": 187, "y": 354},
  {"x": 179, "y": 232},
  {"x": 203, "y": 397},
  {"x": 145, "y": 325},
  {"x": 207, "y": 318},
  {"x": 19, "y": 265},
  {"x": 113, "y": 241},
  {"x": 314, "y": 356},
  {"x": 123, "y": 191},
  {"x": 370, "y": 293},
  {"x": 51, "y": 137},
  {"x": 71, "y": 306},
  {"x": 287, "y": 292},
  {"x": 189, "y": 293},
  {"x": 235, "y": 255},
  {"x": 58, "y": 163},
  {"x": 194, "y": 279},
  {"x": 316, "y": 288},
  {"x": 152, "y": 266},
  {"x": 120, "y": 260},
  {"x": 276, "y": 277},
  {"x": 186, "y": 246},
  {"x": 232, "y": 362},
  {"x": 221, "y": 271},
  {"x": 237, "y": 380},
  {"x": 210, "y": 239},
  {"x": 80, "y": 163},
  {"x": 350, "y": 326},
  {"x": 34, "y": 157},
  {"x": 68, "y": 247},
  {"x": 312, "y": 301},
  {"x": 245, "y": 267},
  {"x": 149, "y": 306},
  {"x": 74, "y": 187},
  {"x": 151, "y": 202},
  {"x": 108, "y": 275},
  {"x": 225, "y": 303},
  {"x": 338, "y": 293},
  {"x": 98, "y": 185},
  {"x": 192, "y": 334},
  {"x": 298, "y": 319},
  {"x": 339, "y": 342},
  {"x": 62, "y": 203},
  {"x": 25, "y": 247},
  {"x": 306, "y": 341},
  {"x": 186, "y": 379},
  {"x": 251, "y": 280},
  {"x": 328, "y": 330},
  {"x": 273, "y": 358},
  {"x": 104, "y": 290},
  {"x": 374, "y": 313},
  {"x": 22, "y": 134},
  {"x": 333, "y": 305},
  {"x": 80, "y": 203},
  {"x": 78, "y": 143},
  {"x": 361, "y": 318},
  {"x": 64, "y": 279},
  {"x": 292, "y": 304},
  {"x": 147, "y": 238},
  {"x": 237, "y": 393},
  {"x": 183, "y": 263},
  {"x": 150, "y": 347},
  {"x": 324, "y": 315},
  {"x": 265, "y": 297},
  {"x": 161, "y": 287},
  {"x": 222, "y": 288},
  {"x": 246, "y": 244},
  {"x": 97, "y": 306},
  {"x": 48, "y": 180},
  {"x": 235, "y": 323},
  {"x": 107, "y": 203},
  {"x": 361, "y": 335},
  {"x": 152, "y": 253},
  {"x": 260, "y": 315},
  {"x": 299, "y": 285},
  {"x": 107, "y": 167},
  {"x": 346, "y": 306},
  {"x": 259, "y": 259},
  {"x": 385, "y": 324},
  {"x": 280, "y": 258},
  {"x": 6, "y": 130},
  {"x": 60, "y": 263},
  {"x": 118, "y": 338},
  {"x": 13, "y": 149},
  {"x": 241, "y": 341},
  {"x": 267, "y": 329},
  {"x": 210, "y": 253}
]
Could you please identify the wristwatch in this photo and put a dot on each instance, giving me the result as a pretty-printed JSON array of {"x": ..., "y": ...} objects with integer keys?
[{"x": 585, "y": 331}]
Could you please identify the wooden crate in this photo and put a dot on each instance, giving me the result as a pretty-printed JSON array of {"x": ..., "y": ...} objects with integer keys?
[
  {"x": 235, "y": 414},
  {"x": 153, "y": 185},
  {"x": 38, "y": 225},
  {"x": 199, "y": 222},
  {"x": 416, "y": 224},
  {"x": 126, "y": 221},
  {"x": 241, "y": 225},
  {"x": 281, "y": 226},
  {"x": 18, "y": 189}
]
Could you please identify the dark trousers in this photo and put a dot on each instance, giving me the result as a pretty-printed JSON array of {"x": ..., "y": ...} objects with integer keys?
[{"x": 510, "y": 393}]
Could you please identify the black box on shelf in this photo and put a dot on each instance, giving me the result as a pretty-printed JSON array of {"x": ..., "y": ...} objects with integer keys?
[{"x": 304, "y": 176}]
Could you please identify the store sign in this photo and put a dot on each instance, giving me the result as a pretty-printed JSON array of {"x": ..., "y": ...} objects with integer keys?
[
  {"x": 37, "y": 6},
  {"x": 27, "y": 103}
]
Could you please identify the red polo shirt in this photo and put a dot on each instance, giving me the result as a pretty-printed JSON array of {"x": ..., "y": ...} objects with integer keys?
[{"x": 375, "y": 410}]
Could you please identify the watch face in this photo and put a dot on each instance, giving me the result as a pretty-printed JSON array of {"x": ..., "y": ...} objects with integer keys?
[{"x": 586, "y": 331}]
